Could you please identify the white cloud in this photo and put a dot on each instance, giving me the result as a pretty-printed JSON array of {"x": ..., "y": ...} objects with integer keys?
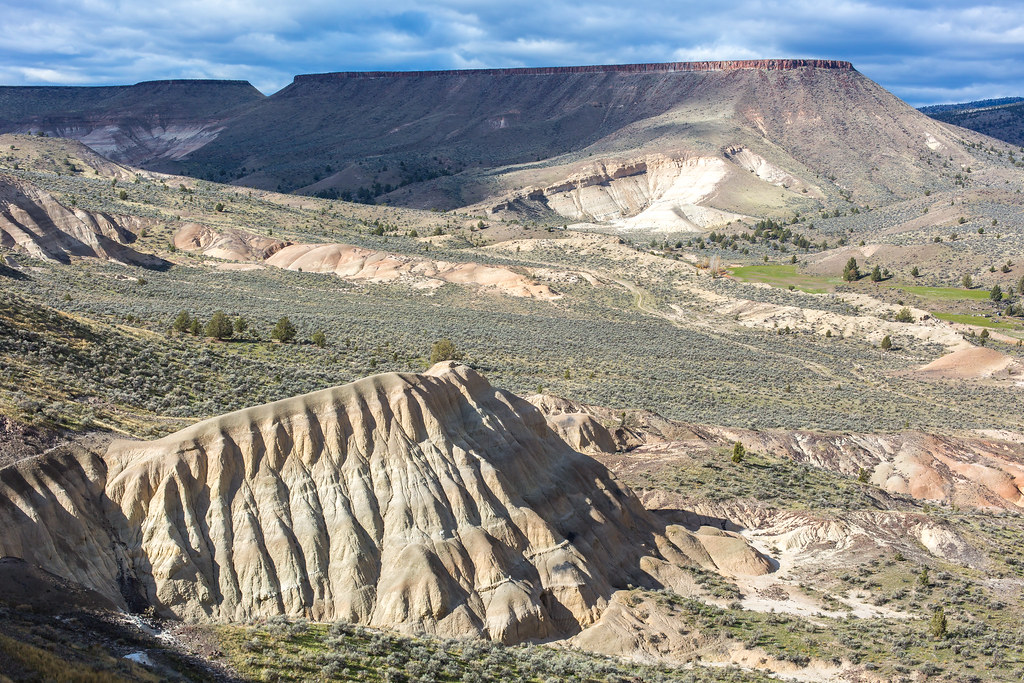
[{"x": 919, "y": 49}]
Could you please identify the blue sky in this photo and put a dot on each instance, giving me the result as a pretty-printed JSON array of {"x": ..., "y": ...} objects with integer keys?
[{"x": 925, "y": 52}]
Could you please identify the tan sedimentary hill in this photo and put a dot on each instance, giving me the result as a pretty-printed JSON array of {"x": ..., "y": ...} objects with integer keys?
[
  {"x": 425, "y": 502},
  {"x": 357, "y": 263},
  {"x": 970, "y": 363},
  {"x": 959, "y": 470},
  {"x": 33, "y": 221},
  {"x": 962, "y": 471},
  {"x": 231, "y": 245}
]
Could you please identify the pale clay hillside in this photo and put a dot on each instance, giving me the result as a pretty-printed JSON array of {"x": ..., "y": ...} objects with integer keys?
[{"x": 679, "y": 372}]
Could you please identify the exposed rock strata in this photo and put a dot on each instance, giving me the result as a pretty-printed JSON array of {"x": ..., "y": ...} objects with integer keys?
[
  {"x": 145, "y": 123},
  {"x": 232, "y": 245},
  {"x": 427, "y": 502},
  {"x": 967, "y": 472},
  {"x": 725, "y": 65},
  {"x": 33, "y": 220},
  {"x": 357, "y": 263}
]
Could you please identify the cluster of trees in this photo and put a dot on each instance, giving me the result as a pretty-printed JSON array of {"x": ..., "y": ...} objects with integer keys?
[
  {"x": 851, "y": 272},
  {"x": 222, "y": 327}
]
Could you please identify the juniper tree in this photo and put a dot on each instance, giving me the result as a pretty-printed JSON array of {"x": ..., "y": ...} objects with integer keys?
[
  {"x": 219, "y": 326},
  {"x": 283, "y": 331},
  {"x": 851, "y": 272},
  {"x": 182, "y": 322},
  {"x": 444, "y": 349}
]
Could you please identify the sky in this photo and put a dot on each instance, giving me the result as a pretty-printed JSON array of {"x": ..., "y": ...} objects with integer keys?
[{"x": 924, "y": 52}]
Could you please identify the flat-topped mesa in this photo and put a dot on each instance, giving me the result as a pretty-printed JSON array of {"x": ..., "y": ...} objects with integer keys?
[{"x": 661, "y": 67}]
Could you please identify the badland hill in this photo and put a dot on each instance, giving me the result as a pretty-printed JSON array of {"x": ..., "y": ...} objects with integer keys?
[
  {"x": 217, "y": 407},
  {"x": 430, "y": 503}
]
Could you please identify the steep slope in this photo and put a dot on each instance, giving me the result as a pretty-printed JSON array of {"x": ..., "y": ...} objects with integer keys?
[
  {"x": 676, "y": 146},
  {"x": 427, "y": 502},
  {"x": 770, "y": 129},
  {"x": 137, "y": 124},
  {"x": 32, "y": 220}
]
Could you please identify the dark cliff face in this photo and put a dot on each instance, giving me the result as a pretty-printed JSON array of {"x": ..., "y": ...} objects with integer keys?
[
  {"x": 128, "y": 123},
  {"x": 661, "y": 67},
  {"x": 1003, "y": 120},
  {"x": 182, "y": 99}
]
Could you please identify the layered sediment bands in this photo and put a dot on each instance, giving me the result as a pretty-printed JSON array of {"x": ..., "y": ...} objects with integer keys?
[
  {"x": 33, "y": 220},
  {"x": 429, "y": 503},
  {"x": 726, "y": 65},
  {"x": 357, "y": 263},
  {"x": 232, "y": 245},
  {"x": 658, "y": 191},
  {"x": 54, "y": 513},
  {"x": 145, "y": 123}
]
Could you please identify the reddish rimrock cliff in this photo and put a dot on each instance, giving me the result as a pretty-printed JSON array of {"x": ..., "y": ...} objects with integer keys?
[{"x": 660, "y": 67}]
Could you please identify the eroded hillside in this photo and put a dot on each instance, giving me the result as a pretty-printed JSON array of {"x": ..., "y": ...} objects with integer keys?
[{"x": 429, "y": 503}]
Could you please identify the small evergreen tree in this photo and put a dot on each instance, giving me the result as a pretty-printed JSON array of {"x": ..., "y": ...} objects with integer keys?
[
  {"x": 738, "y": 452},
  {"x": 283, "y": 331},
  {"x": 444, "y": 349},
  {"x": 914, "y": 272},
  {"x": 182, "y": 322},
  {"x": 939, "y": 624},
  {"x": 983, "y": 337},
  {"x": 967, "y": 281},
  {"x": 886, "y": 343},
  {"x": 904, "y": 316},
  {"x": 241, "y": 324},
  {"x": 851, "y": 272},
  {"x": 219, "y": 326},
  {"x": 195, "y": 327},
  {"x": 876, "y": 274},
  {"x": 996, "y": 293},
  {"x": 319, "y": 339}
]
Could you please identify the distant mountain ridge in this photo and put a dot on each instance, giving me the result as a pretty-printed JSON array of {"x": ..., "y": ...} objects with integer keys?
[
  {"x": 1001, "y": 118},
  {"x": 679, "y": 146},
  {"x": 970, "y": 106},
  {"x": 136, "y": 124}
]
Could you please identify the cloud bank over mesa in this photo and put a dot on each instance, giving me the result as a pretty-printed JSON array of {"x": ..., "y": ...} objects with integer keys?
[{"x": 924, "y": 51}]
